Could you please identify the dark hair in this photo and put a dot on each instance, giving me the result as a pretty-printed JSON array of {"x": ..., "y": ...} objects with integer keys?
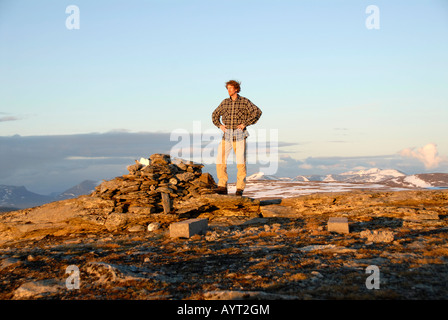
[{"x": 235, "y": 84}]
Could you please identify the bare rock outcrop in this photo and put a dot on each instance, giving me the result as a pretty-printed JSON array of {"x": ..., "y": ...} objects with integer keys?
[
  {"x": 159, "y": 189},
  {"x": 287, "y": 253}
]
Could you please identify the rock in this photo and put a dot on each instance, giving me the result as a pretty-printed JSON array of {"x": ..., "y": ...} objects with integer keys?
[
  {"x": 233, "y": 205},
  {"x": 105, "y": 272},
  {"x": 166, "y": 203},
  {"x": 245, "y": 295},
  {"x": 153, "y": 226},
  {"x": 278, "y": 211},
  {"x": 136, "y": 228},
  {"x": 318, "y": 247},
  {"x": 143, "y": 210},
  {"x": 37, "y": 289},
  {"x": 134, "y": 168},
  {"x": 185, "y": 176},
  {"x": 5, "y": 263},
  {"x": 144, "y": 162},
  {"x": 116, "y": 221},
  {"x": 219, "y": 205},
  {"x": 338, "y": 224},
  {"x": 317, "y": 274},
  {"x": 422, "y": 216},
  {"x": 160, "y": 159},
  {"x": 188, "y": 228},
  {"x": 207, "y": 178},
  {"x": 378, "y": 235}
]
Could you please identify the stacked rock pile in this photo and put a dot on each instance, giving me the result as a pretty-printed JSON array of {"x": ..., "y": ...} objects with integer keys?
[{"x": 156, "y": 185}]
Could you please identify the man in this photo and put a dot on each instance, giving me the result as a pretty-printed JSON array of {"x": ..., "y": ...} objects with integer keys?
[{"x": 237, "y": 113}]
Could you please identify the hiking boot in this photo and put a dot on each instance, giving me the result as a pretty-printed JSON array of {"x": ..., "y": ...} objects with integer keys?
[
  {"x": 239, "y": 192},
  {"x": 221, "y": 190}
]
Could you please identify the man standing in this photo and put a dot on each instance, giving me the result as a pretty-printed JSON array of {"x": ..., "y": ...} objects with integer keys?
[{"x": 237, "y": 113}]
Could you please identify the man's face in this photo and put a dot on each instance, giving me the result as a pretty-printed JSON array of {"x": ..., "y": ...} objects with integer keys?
[{"x": 231, "y": 90}]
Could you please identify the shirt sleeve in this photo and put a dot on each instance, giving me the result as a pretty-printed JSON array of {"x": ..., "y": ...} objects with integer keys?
[
  {"x": 216, "y": 115},
  {"x": 254, "y": 113}
]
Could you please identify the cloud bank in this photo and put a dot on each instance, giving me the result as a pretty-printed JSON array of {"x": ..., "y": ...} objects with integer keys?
[
  {"x": 409, "y": 161},
  {"x": 46, "y": 164},
  {"x": 9, "y": 118},
  {"x": 428, "y": 155}
]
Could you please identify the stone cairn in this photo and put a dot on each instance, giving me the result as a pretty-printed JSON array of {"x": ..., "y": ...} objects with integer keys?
[{"x": 156, "y": 185}]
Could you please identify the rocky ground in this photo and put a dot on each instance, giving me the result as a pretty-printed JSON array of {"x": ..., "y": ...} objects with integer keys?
[
  {"x": 115, "y": 243},
  {"x": 283, "y": 252}
]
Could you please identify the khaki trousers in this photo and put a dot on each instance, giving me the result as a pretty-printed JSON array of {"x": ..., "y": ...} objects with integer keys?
[{"x": 224, "y": 148}]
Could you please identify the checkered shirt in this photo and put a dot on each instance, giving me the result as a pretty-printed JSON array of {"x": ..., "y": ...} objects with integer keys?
[
  {"x": 235, "y": 134},
  {"x": 233, "y": 113}
]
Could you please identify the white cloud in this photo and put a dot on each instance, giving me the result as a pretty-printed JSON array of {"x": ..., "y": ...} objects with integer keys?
[{"x": 427, "y": 154}]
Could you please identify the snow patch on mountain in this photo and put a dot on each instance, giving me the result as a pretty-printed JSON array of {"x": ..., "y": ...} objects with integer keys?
[
  {"x": 330, "y": 178},
  {"x": 20, "y": 197},
  {"x": 371, "y": 175},
  {"x": 422, "y": 180},
  {"x": 389, "y": 177},
  {"x": 416, "y": 181},
  {"x": 261, "y": 176},
  {"x": 365, "y": 175},
  {"x": 301, "y": 178}
]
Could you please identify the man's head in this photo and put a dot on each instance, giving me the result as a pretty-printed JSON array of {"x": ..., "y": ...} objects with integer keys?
[{"x": 233, "y": 86}]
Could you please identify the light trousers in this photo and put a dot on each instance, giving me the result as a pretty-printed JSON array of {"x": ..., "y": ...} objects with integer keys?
[{"x": 224, "y": 148}]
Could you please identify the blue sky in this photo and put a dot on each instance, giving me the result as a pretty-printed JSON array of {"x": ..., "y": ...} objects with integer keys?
[{"x": 341, "y": 96}]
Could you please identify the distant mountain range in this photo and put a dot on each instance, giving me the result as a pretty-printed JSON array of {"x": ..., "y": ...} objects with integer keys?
[
  {"x": 14, "y": 198},
  {"x": 85, "y": 187},
  {"x": 390, "y": 177},
  {"x": 370, "y": 175}
]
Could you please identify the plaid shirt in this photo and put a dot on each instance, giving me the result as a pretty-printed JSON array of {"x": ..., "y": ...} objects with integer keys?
[
  {"x": 234, "y": 113},
  {"x": 235, "y": 134}
]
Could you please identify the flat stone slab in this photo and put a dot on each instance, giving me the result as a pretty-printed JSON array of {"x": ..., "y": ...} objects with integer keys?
[
  {"x": 278, "y": 211},
  {"x": 338, "y": 224},
  {"x": 188, "y": 228}
]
